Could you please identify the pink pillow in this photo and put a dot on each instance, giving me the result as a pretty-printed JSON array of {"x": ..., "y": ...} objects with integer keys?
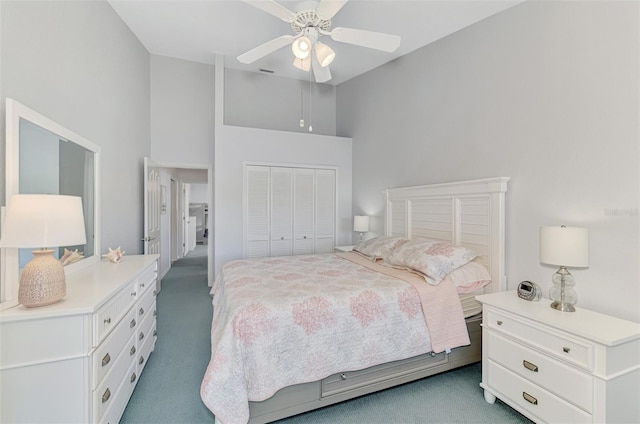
[
  {"x": 469, "y": 277},
  {"x": 379, "y": 247},
  {"x": 433, "y": 258}
]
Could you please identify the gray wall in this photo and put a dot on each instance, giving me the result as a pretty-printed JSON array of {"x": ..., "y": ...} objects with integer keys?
[
  {"x": 546, "y": 93},
  {"x": 265, "y": 101},
  {"x": 78, "y": 64},
  {"x": 182, "y": 111}
]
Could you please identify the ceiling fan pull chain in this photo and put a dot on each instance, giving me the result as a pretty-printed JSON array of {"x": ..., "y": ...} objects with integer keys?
[
  {"x": 301, "y": 109},
  {"x": 310, "y": 127}
]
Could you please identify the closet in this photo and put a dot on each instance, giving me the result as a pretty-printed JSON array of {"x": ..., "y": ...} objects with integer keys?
[{"x": 288, "y": 210}]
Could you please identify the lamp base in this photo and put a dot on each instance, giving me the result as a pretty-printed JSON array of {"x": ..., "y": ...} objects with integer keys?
[
  {"x": 42, "y": 281},
  {"x": 564, "y": 307}
]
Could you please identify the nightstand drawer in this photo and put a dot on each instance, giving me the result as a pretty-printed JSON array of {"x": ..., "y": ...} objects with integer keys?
[
  {"x": 537, "y": 401},
  {"x": 577, "y": 352},
  {"x": 565, "y": 381}
]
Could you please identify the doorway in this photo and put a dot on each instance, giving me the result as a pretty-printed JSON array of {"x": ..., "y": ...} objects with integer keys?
[{"x": 178, "y": 183}]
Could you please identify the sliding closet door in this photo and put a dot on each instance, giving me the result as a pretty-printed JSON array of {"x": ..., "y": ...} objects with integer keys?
[
  {"x": 256, "y": 220},
  {"x": 325, "y": 210},
  {"x": 303, "y": 211},
  {"x": 281, "y": 211}
]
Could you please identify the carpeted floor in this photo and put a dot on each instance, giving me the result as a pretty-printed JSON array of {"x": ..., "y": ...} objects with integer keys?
[{"x": 169, "y": 388}]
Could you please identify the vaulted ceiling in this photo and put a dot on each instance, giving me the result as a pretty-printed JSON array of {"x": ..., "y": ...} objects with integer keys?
[{"x": 200, "y": 30}]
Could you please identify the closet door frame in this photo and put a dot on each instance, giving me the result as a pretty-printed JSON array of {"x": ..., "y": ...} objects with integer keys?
[{"x": 246, "y": 164}]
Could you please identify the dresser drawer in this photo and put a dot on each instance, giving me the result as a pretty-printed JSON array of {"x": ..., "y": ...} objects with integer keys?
[
  {"x": 107, "y": 391},
  {"x": 108, "y": 316},
  {"x": 146, "y": 304},
  {"x": 104, "y": 356},
  {"x": 532, "y": 398},
  {"x": 147, "y": 325},
  {"x": 113, "y": 413},
  {"x": 574, "y": 351},
  {"x": 146, "y": 348},
  {"x": 147, "y": 281},
  {"x": 565, "y": 381}
]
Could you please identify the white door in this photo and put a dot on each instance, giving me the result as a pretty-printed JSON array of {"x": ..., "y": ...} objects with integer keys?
[
  {"x": 303, "y": 211},
  {"x": 152, "y": 204},
  {"x": 325, "y": 210},
  {"x": 256, "y": 231},
  {"x": 186, "y": 199},
  {"x": 281, "y": 211}
]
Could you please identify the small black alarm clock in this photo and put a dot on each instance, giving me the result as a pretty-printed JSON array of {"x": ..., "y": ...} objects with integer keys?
[{"x": 528, "y": 290}]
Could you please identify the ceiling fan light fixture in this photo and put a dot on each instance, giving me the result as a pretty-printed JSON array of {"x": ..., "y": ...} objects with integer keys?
[
  {"x": 301, "y": 47},
  {"x": 302, "y": 64},
  {"x": 324, "y": 54}
]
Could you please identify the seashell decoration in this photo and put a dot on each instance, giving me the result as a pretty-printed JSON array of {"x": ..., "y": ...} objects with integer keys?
[
  {"x": 115, "y": 256},
  {"x": 70, "y": 256}
]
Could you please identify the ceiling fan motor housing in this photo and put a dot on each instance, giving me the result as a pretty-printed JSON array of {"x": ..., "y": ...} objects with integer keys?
[{"x": 306, "y": 16}]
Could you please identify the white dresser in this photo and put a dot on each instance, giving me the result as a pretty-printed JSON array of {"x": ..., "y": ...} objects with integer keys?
[
  {"x": 78, "y": 361},
  {"x": 559, "y": 367}
]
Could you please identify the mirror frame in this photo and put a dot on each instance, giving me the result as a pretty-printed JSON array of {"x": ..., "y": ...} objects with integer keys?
[{"x": 15, "y": 111}]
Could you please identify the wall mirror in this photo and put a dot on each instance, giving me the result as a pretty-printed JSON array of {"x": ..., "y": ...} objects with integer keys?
[{"x": 44, "y": 157}]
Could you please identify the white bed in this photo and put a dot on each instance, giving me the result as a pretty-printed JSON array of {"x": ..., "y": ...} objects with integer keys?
[{"x": 468, "y": 214}]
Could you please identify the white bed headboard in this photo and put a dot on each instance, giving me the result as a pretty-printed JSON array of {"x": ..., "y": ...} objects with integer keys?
[{"x": 465, "y": 213}]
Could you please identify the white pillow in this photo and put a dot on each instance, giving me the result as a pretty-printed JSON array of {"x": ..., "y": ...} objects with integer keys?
[
  {"x": 379, "y": 247},
  {"x": 432, "y": 258}
]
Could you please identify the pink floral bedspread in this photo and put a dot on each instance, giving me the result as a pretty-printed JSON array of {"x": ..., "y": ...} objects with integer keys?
[{"x": 290, "y": 320}]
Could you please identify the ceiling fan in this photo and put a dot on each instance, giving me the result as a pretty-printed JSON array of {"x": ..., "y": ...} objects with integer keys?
[{"x": 310, "y": 21}]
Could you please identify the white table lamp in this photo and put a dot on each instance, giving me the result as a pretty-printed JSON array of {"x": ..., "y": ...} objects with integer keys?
[
  {"x": 42, "y": 221},
  {"x": 361, "y": 225},
  {"x": 565, "y": 247}
]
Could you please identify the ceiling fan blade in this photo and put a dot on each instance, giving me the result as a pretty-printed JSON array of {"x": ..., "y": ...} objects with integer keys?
[
  {"x": 370, "y": 39},
  {"x": 321, "y": 73},
  {"x": 273, "y": 8},
  {"x": 266, "y": 48},
  {"x": 327, "y": 9}
]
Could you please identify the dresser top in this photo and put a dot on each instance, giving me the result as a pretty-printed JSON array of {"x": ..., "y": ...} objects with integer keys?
[
  {"x": 88, "y": 288},
  {"x": 601, "y": 328}
]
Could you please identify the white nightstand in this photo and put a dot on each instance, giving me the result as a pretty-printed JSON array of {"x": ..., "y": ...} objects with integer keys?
[
  {"x": 343, "y": 248},
  {"x": 554, "y": 366}
]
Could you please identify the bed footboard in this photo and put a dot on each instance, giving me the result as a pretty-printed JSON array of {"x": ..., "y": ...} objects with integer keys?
[{"x": 339, "y": 387}]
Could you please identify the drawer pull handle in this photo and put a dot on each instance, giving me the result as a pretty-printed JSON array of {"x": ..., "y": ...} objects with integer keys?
[
  {"x": 132, "y": 351},
  {"x": 106, "y": 395},
  {"x": 133, "y": 377},
  {"x": 531, "y": 367},
  {"x": 141, "y": 311},
  {"x": 154, "y": 313},
  {"x": 499, "y": 322},
  {"x": 155, "y": 333},
  {"x": 133, "y": 294},
  {"x": 154, "y": 292},
  {"x": 343, "y": 376},
  {"x": 566, "y": 349},
  {"x": 132, "y": 324},
  {"x": 142, "y": 285},
  {"x": 141, "y": 336},
  {"x": 141, "y": 361},
  {"x": 529, "y": 398},
  {"x": 106, "y": 360},
  {"x": 107, "y": 321}
]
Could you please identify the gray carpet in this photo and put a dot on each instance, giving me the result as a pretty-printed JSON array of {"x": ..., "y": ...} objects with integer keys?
[{"x": 169, "y": 388}]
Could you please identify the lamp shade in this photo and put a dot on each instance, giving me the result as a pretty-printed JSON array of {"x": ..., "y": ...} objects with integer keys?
[
  {"x": 302, "y": 64},
  {"x": 301, "y": 47},
  {"x": 43, "y": 220},
  {"x": 324, "y": 54},
  {"x": 564, "y": 246},
  {"x": 361, "y": 223}
]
